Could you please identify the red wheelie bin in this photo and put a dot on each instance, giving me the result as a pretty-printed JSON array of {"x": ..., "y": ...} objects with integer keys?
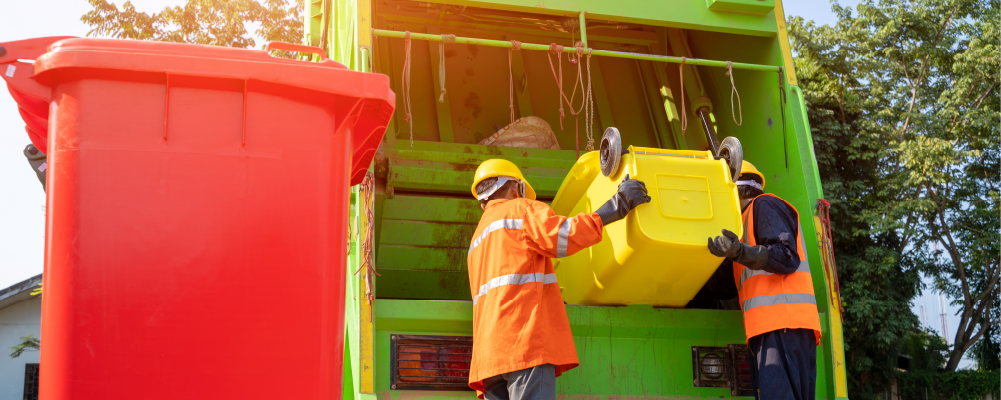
[{"x": 196, "y": 215}]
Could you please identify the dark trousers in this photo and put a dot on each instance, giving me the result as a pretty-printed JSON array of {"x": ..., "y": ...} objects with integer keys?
[
  {"x": 536, "y": 383},
  {"x": 786, "y": 367}
]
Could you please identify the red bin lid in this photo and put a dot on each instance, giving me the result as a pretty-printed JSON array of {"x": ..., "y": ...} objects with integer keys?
[{"x": 367, "y": 116}]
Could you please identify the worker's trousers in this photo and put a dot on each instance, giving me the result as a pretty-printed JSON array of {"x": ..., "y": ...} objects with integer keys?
[
  {"x": 786, "y": 365},
  {"x": 535, "y": 383}
]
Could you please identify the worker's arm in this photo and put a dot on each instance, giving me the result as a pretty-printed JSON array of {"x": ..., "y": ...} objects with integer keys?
[
  {"x": 557, "y": 236},
  {"x": 776, "y": 229}
]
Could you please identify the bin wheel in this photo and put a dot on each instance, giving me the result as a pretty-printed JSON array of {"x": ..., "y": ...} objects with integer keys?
[
  {"x": 610, "y": 154},
  {"x": 731, "y": 151}
]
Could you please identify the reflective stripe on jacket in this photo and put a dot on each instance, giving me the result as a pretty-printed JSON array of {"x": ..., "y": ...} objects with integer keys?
[
  {"x": 774, "y": 301},
  {"x": 519, "y": 319}
]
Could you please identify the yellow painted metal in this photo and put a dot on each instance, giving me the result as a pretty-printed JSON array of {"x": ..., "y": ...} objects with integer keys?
[
  {"x": 780, "y": 19},
  {"x": 365, "y": 24},
  {"x": 366, "y": 339},
  {"x": 365, "y": 316},
  {"x": 658, "y": 254},
  {"x": 694, "y": 90}
]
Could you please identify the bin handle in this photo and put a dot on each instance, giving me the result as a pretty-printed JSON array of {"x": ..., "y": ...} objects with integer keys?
[{"x": 296, "y": 47}]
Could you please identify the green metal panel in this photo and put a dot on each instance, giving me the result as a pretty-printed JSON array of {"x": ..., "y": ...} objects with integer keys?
[
  {"x": 635, "y": 352},
  {"x": 743, "y": 6},
  {"x": 688, "y": 14},
  {"x": 448, "y": 168}
]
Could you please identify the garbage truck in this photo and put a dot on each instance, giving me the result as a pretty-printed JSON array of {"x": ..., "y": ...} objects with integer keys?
[
  {"x": 538, "y": 83},
  {"x": 198, "y": 205}
]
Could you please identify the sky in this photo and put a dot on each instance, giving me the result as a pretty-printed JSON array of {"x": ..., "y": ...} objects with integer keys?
[{"x": 22, "y": 201}]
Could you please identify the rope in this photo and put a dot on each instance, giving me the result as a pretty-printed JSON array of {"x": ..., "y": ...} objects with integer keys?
[
  {"x": 733, "y": 90},
  {"x": 589, "y": 110},
  {"x": 406, "y": 85},
  {"x": 515, "y": 45},
  {"x": 681, "y": 77},
  {"x": 367, "y": 197},
  {"x": 555, "y": 48},
  {"x": 445, "y": 38},
  {"x": 580, "y": 50},
  {"x": 824, "y": 209}
]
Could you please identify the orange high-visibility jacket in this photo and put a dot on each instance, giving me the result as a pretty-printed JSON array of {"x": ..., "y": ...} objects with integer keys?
[
  {"x": 775, "y": 301},
  {"x": 519, "y": 319}
]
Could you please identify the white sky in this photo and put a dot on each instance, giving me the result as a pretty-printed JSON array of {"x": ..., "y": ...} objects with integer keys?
[{"x": 22, "y": 201}]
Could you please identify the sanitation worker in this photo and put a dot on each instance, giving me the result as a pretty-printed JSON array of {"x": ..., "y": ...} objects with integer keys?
[
  {"x": 521, "y": 334},
  {"x": 768, "y": 271}
]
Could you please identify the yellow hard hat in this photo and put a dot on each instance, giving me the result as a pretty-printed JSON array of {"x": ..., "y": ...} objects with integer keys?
[
  {"x": 497, "y": 167},
  {"x": 748, "y": 168}
]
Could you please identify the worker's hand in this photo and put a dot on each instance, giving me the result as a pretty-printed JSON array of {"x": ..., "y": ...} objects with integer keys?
[
  {"x": 631, "y": 194},
  {"x": 728, "y": 245}
]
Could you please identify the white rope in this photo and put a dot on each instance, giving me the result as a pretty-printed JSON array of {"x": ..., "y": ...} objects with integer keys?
[
  {"x": 406, "y": 86},
  {"x": 733, "y": 90},
  {"x": 441, "y": 64}
]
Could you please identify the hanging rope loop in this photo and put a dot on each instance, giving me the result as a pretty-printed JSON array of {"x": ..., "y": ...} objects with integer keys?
[
  {"x": 681, "y": 77},
  {"x": 405, "y": 84},
  {"x": 510, "y": 75},
  {"x": 589, "y": 109},
  {"x": 558, "y": 50},
  {"x": 445, "y": 38},
  {"x": 733, "y": 91},
  {"x": 515, "y": 45}
]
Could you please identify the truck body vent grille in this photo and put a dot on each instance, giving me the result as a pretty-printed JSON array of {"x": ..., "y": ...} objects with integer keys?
[{"x": 424, "y": 362}]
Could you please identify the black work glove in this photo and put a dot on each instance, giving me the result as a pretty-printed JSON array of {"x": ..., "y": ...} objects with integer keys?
[
  {"x": 730, "y": 246},
  {"x": 631, "y": 193}
]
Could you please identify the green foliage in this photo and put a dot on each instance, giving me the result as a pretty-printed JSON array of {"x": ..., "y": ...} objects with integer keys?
[
  {"x": 210, "y": 22},
  {"x": 960, "y": 385},
  {"x": 986, "y": 352},
  {"x": 926, "y": 350},
  {"x": 28, "y": 343},
  {"x": 874, "y": 284},
  {"x": 903, "y": 102}
]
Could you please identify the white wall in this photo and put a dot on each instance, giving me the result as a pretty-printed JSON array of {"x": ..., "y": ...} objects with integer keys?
[{"x": 18, "y": 320}]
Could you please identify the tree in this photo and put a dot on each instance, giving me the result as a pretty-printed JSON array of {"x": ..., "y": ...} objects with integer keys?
[
  {"x": 875, "y": 285},
  {"x": 28, "y": 343},
  {"x": 929, "y": 109},
  {"x": 931, "y": 72},
  {"x": 210, "y": 22}
]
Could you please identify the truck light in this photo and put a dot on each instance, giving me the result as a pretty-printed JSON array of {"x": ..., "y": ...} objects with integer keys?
[
  {"x": 712, "y": 366},
  {"x": 723, "y": 367},
  {"x": 426, "y": 362}
]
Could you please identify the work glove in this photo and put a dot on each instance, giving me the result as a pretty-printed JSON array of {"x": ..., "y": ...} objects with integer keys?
[
  {"x": 730, "y": 246},
  {"x": 631, "y": 193}
]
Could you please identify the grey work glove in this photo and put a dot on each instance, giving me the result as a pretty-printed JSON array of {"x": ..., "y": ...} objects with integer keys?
[
  {"x": 36, "y": 159},
  {"x": 730, "y": 246},
  {"x": 631, "y": 193}
]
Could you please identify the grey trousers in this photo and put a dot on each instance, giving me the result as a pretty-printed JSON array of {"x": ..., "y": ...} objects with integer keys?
[{"x": 536, "y": 383}]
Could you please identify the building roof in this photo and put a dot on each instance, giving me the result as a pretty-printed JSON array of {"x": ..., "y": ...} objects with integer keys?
[{"x": 19, "y": 292}]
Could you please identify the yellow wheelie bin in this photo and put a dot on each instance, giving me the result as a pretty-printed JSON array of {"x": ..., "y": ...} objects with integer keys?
[{"x": 657, "y": 255}]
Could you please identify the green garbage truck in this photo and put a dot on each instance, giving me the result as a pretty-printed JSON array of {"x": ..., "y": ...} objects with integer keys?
[{"x": 473, "y": 79}]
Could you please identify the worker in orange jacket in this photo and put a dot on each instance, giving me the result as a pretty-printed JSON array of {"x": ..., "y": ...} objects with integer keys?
[
  {"x": 521, "y": 334},
  {"x": 767, "y": 269}
]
